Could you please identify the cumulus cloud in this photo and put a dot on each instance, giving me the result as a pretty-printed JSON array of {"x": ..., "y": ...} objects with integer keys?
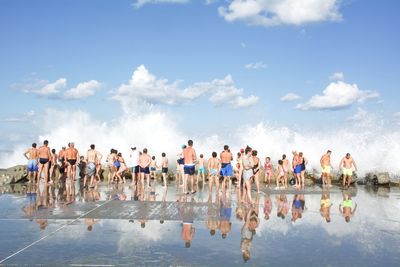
[
  {"x": 41, "y": 87},
  {"x": 255, "y": 66},
  {"x": 273, "y": 13},
  {"x": 141, "y": 3},
  {"x": 144, "y": 87},
  {"x": 83, "y": 90},
  {"x": 289, "y": 97},
  {"x": 23, "y": 118},
  {"x": 338, "y": 95},
  {"x": 337, "y": 76}
]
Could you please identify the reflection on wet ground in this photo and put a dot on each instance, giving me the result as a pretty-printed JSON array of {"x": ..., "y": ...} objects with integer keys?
[{"x": 119, "y": 225}]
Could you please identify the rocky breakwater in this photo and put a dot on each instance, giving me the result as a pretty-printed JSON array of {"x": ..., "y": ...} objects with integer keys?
[
  {"x": 13, "y": 175},
  {"x": 380, "y": 179}
]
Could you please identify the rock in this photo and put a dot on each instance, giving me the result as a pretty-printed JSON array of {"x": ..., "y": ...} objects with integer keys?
[{"x": 382, "y": 178}]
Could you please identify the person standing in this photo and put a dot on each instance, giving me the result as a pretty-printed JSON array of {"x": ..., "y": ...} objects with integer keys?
[
  {"x": 134, "y": 157},
  {"x": 189, "y": 158},
  {"x": 32, "y": 165},
  {"x": 346, "y": 164},
  {"x": 326, "y": 168},
  {"x": 44, "y": 158},
  {"x": 226, "y": 167}
]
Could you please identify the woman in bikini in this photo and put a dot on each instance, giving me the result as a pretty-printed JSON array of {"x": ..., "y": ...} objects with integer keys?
[{"x": 256, "y": 169}]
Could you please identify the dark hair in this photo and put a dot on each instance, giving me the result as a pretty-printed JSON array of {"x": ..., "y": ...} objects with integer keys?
[
  {"x": 268, "y": 158},
  {"x": 328, "y": 151},
  {"x": 348, "y": 154},
  {"x": 224, "y": 236},
  {"x": 92, "y": 146},
  {"x": 153, "y": 157},
  {"x": 112, "y": 150},
  {"x": 163, "y": 154},
  {"x": 187, "y": 244},
  {"x": 212, "y": 232},
  {"x": 161, "y": 221},
  {"x": 144, "y": 150},
  {"x": 226, "y": 147},
  {"x": 34, "y": 145},
  {"x": 301, "y": 154},
  {"x": 247, "y": 150},
  {"x": 190, "y": 142},
  {"x": 119, "y": 154},
  {"x": 284, "y": 156},
  {"x": 280, "y": 162},
  {"x": 46, "y": 142},
  {"x": 239, "y": 154},
  {"x": 254, "y": 152},
  {"x": 214, "y": 154},
  {"x": 143, "y": 224},
  {"x": 53, "y": 150},
  {"x": 201, "y": 156}
]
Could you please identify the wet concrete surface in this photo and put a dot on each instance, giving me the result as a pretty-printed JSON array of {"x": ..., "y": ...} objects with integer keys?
[{"x": 107, "y": 226}]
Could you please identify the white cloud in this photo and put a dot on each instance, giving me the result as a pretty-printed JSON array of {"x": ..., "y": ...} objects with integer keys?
[
  {"x": 359, "y": 116},
  {"x": 141, "y": 3},
  {"x": 51, "y": 88},
  {"x": 273, "y": 13},
  {"x": 338, "y": 95},
  {"x": 337, "y": 76},
  {"x": 289, "y": 97},
  {"x": 83, "y": 90},
  {"x": 255, "y": 66},
  {"x": 144, "y": 87},
  {"x": 24, "y": 118}
]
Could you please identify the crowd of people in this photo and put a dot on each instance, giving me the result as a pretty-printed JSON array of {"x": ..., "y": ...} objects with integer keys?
[{"x": 220, "y": 170}]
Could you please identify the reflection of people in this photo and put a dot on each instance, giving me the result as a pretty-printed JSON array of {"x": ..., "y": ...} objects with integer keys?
[
  {"x": 188, "y": 230},
  {"x": 325, "y": 206},
  {"x": 267, "y": 207},
  {"x": 347, "y": 164},
  {"x": 90, "y": 222},
  {"x": 298, "y": 206},
  {"x": 225, "y": 214},
  {"x": 346, "y": 208},
  {"x": 326, "y": 168},
  {"x": 282, "y": 206},
  {"x": 248, "y": 230}
]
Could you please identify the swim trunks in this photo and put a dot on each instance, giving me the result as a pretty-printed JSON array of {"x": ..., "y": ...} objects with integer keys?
[
  {"x": 117, "y": 164},
  {"x": 188, "y": 169},
  {"x": 325, "y": 203},
  {"x": 153, "y": 169},
  {"x": 347, "y": 203},
  {"x": 43, "y": 160},
  {"x": 226, "y": 169},
  {"x": 32, "y": 165},
  {"x": 297, "y": 169},
  {"x": 90, "y": 169},
  {"x": 164, "y": 170},
  {"x": 72, "y": 162},
  {"x": 213, "y": 172},
  {"x": 347, "y": 172},
  {"x": 247, "y": 174},
  {"x": 201, "y": 170},
  {"x": 326, "y": 169},
  {"x": 136, "y": 169},
  {"x": 145, "y": 170}
]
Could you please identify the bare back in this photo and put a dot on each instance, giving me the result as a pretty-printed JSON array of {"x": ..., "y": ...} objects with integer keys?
[
  {"x": 44, "y": 152},
  {"x": 189, "y": 155},
  {"x": 71, "y": 153},
  {"x": 226, "y": 156},
  {"x": 213, "y": 163}
]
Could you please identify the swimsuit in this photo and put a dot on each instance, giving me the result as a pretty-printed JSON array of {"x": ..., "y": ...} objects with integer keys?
[
  {"x": 153, "y": 169},
  {"x": 201, "y": 169},
  {"x": 256, "y": 168},
  {"x": 247, "y": 174},
  {"x": 188, "y": 169},
  {"x": 347, "y": 203},
  {"x": 347, "y": 171},
  {"x": 90, "y": 169},
  {"x": 72, "y": 162},
  {"x": 32, "y": 165},
  {"x": 145, "y": 170},
  {"x": 297, "y": 169},
  {"x": 164, "y": 170},
  {"x": 180, "y": 161},
  {"x": 43, "y": 160},
  {"x": 326, "y": 169},
  {"x": 268, "y": 168},
  {"x": 213, "y": 172},
  {"x": 226, "y": 169}
]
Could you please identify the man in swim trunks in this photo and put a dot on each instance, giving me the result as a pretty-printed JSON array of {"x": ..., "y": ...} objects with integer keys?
[
  {"x": 326, "y": 168},
  {"x": 226, "y": 167},
  {"x": 92, "y": 158},
  {"x": 296, "y": 165},
  {"x": 61, "y": 159},
  {"x": 347, "y": 164},
  {"x": 44, "y": 158},
  {"x": 201, "y": 169},
  {"x": 71, "y": 156},
  {"x": 213, "y": 167},
  {"x": 144, "y": 164},
  {"x": 189, "y": 158},
  {"x": 32, "y": 165},
  {"x": 134, "y": 158},
  {"x": 164, "y": 168},
  {"x": 346, "y": 208}
]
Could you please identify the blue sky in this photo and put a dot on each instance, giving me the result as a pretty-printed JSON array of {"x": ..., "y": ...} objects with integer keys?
[{"x": 93, "y": 47}]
